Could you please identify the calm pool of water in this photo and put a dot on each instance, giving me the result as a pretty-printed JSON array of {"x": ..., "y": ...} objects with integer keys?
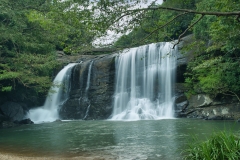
[{"x": 153, "y": 140}]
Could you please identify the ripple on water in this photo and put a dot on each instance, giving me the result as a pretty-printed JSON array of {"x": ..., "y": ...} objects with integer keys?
[{"x": 163, "y": 139}]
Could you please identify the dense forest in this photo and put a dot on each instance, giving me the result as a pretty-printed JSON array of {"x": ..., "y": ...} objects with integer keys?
[{"x": 32, "y": 32}]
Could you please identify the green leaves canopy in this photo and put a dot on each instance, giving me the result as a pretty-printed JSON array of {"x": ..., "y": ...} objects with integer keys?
[{"x": 30, "y": 33}]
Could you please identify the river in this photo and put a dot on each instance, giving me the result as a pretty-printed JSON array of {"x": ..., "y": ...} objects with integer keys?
[{"x": 135, "y": 140}]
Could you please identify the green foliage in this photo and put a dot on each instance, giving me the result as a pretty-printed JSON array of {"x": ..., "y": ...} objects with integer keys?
[
  {"x": 152, "y": 20},
  {"x": 31, "y": 31},
  {"x": 223, "y": 32},
  {"x": 213, "y": 75},
  {"x": 215, "y": 68},
  {"x": 65, "y": 23},
  {"x": 27, "y": 50},
  {"x": 220, "y": 146}
]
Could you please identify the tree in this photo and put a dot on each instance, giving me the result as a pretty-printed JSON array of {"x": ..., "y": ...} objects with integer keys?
[
  {"x": 26, "y": 51},
  {"x": 31, "y": 31},
  {"x": 125, "y": 18},
  {"x": 161, "y": 25},
  {"x": 216, "y": 72},
  {"x": 216, "y": 27}
]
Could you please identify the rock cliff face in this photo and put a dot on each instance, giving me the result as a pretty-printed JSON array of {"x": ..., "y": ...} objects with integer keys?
[
  {"x": 12, "y": 114},
  {"x": 13, "y": 111},
  {"x": 220, "y": 108},
  {"x": 93, "y": 100},
  {"x": 96, "y": 101}
]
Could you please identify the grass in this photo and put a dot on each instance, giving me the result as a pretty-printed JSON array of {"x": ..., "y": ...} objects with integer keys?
[{"x": 220, "y": 146}]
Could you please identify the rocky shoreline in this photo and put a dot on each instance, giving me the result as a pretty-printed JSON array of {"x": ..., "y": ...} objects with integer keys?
[
  {"x": 30, "y": 156},
  {"x": 7, "y": 156}
]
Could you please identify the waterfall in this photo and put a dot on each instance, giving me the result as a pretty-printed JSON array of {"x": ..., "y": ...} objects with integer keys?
[
  {"x": 144, "y": 82},
  {"x": 56, "y": 96},
  {"x": 89, "y": 76},
  {"x": 87, "y": 88}
]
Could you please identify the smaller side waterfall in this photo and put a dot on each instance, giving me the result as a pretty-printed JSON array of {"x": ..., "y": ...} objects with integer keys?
[
  {"x": 144, "y": 82},
  {"x": 87, "y": 88},
  {"x": 49, "y": 112},
  {"x": 89, "y": 76}
]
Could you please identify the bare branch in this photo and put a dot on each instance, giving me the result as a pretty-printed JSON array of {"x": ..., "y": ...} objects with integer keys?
[
  {"x": 234, "y": 94},
  {"x": 150, "y": 34},
  {"x": 124, "y": 15},
  {"x": 236, "y": 13},
  {"x": 179, "y": 38}
]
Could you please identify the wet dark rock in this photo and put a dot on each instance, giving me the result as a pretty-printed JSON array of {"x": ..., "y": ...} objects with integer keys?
[
  {"x": 181, "y": 98},
  {"x": 12, "y": 110},
  {"x": 4, "y": 121},
  {"x": 183, "y": 58},
  {"x": 219, "y": 117},
  {"x": 200, "y": 100},
  {"x": 58, "y": 120},
  {"x": 221, "y": 111},
  {"x": 180, "y": 115},
  {"x": 24, "y": 121},
  {"x": 96, "y": 102},
  {"x": 214, "y": 118},
  {"x": 4, "y": 118},
  {"x": 181, "y": 104}
]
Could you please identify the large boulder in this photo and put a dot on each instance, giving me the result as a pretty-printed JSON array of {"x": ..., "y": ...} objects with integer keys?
[
  {"x": 12, "y": 110},
  {"x": 181, "y": 104},
  {"x": 218, "y": 112},
  {"x": 24, "y": 121},
  {"x": 6, "y": 122},
  {"x": 200, "y": 100},
  {"x": 204, "y": 107}
]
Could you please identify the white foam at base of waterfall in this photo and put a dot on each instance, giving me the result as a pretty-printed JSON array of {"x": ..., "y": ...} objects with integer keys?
[
  {"x": 144, "y": 82},
  {"x": 49, "y": 111}
]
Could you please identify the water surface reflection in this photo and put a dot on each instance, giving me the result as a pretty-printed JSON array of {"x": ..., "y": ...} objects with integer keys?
[{"x": 160, "y": 139}]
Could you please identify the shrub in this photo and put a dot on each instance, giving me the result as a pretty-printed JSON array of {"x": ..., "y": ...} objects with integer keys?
[{"x": 221, "y": 146}]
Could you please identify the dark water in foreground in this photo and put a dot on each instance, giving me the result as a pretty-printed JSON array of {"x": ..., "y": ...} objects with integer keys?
[{"x": 153, "y": 140}]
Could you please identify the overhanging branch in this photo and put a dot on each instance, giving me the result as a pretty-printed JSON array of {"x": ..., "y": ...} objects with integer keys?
[
  {"x": 150, "y": 34},
  {"x": 235, "y": 13},
  {"x": 179, "y": 38}
]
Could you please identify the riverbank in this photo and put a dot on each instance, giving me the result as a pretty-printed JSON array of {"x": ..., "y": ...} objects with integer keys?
[{"x": 7, "y": 156}]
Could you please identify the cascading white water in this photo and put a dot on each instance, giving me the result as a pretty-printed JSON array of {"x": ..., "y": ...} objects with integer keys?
[
  {"x": 87, "y": 88},
  {"x": 89, "y": 76},
  {"x": 56, "y": 96},
  {"x": 144, "y": 82}
]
